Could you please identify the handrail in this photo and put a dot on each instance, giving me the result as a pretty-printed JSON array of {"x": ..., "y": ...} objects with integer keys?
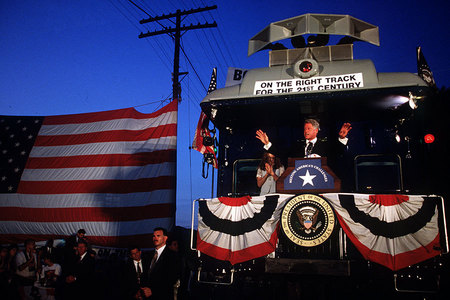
[
  {"x": 444, "y": 220},
  {"x": 192, "y": 223}
]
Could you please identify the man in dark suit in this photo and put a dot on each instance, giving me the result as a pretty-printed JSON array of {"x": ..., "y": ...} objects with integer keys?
[
  {"x": 163, "y": 271},
  {"x": 135, "y": 273},
  {"x": 79, "y": 273}
]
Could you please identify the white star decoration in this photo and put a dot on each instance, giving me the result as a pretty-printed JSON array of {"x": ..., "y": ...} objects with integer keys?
[{"x": 307, "y": 178}]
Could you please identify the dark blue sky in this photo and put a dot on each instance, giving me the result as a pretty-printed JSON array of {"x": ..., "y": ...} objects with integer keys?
[{"x": 64, "y": 57}]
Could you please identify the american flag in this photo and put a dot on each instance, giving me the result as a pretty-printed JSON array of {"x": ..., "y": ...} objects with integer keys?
[
  {"x": 424, "y": 70},
  {"x": 202, "y": 126},
  {"x": 112, "y": 173}
]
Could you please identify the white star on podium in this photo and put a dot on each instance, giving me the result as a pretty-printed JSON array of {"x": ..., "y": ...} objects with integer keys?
[{"x": 307, "y": 178}]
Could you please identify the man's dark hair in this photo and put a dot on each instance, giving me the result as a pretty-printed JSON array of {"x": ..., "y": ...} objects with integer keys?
[
  {"x": 49, "y": 257},
  {"x": 162, "y": 229},
  {"x": 82, "y": 242},
  {"x": 82, "y": 231},
  {"x": 171, "y": 238},
  {"x": 12, "y": 246},
  {"x": 132, "y": 247}
]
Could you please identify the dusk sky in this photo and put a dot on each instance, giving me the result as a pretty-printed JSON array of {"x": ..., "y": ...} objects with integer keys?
[{"x": 67, "y": 57}]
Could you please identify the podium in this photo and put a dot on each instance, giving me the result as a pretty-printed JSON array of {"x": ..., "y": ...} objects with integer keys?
[{"x": 308, "y": 175}]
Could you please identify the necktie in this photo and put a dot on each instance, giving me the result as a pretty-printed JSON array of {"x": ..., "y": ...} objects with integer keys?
[
  {"x": 139, "y": 272},
  {"x": 309, "y": 149},
  {"x": 155, "y": 257}
]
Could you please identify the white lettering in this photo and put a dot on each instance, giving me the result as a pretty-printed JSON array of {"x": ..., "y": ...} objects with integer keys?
[{"x": 322, "y": 83}]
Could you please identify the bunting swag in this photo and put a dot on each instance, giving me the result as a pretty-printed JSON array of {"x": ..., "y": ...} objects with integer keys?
[
  {"x": 111, "y": 173},
  {"x": 393, "y": 230},
  {"x": 239, "y": 229}
]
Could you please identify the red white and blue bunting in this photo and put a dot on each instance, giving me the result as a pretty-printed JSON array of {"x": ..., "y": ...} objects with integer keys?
[
  {"x": 393, "y": 230},
  {"x": 239, "y": 229}
]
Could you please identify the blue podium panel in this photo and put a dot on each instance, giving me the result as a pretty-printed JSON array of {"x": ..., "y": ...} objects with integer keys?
[{"x": 308, "y": 175}]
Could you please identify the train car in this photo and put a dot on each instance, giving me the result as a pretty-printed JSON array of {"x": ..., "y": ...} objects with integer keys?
[{"x": 388, "y": 152}]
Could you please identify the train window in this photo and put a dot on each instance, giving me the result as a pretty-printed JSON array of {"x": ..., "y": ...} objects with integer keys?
[
  {"x": 378, "y": 173},
  {"x": 244, "y": 177}
]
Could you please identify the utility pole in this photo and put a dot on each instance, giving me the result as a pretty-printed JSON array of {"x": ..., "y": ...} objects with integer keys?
[{"x": 176, "y": 34}]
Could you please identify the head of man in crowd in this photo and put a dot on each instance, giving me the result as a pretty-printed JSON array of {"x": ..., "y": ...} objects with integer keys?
[
  {"x": 81, "y": 234},
  {"x": 159, "y": 237},
  {"x": 310, "y": 129},
  {"x": 82, "y": 248},
  {"x": 172, "y": 243},
  {"x": 30, "y": 245},
  {"x": 135, "y": 253}
]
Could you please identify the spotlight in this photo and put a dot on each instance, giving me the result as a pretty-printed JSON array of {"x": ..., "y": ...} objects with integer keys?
[
  {"x": 397, "y": 137},
  {"x": 412, "y": 103},
  {"x": 413, "y": 100}
]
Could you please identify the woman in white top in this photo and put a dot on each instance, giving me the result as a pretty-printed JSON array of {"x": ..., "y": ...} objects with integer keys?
[{"x": 269, "y": 170}]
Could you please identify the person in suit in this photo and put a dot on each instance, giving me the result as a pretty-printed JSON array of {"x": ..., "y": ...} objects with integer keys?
[
  {"x": 135, "y": 273},
  {"x": 163, "y": 272},
  {"x": 79, "y": 276}
]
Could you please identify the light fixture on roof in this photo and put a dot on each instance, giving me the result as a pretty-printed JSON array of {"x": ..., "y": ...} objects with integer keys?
[
  {"x": 306, "y": 68},
  {"x": 413, "y": 100}
]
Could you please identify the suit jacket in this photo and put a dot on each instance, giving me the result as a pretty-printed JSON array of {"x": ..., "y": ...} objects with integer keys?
[
  {"x": 131, "y": 285},
  {"x": 331, "y": 150},
  {"x": 164, "y": 275},
  {"x": 83, "y": 270}
]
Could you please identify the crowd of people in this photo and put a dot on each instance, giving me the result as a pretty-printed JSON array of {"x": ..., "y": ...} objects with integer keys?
[
  {"x": 40, "y": 272},
  {"x": 71, "y": 271}
]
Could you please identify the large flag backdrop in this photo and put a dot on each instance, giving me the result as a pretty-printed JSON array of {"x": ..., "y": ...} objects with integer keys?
[
  {"x": 239, "y": 229},
  {"x": 112, "y": 173}
]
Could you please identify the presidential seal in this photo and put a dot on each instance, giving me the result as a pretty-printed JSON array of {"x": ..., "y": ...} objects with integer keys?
[{"x": 307, "y": 220}]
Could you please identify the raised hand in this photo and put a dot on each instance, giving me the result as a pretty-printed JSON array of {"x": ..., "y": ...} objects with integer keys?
[
  {"x": 262, "y": 136},
  {"x": 346, "y": 127}
]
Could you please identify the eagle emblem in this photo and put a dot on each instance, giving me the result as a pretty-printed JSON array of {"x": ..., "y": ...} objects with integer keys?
[{"x": 307, "y": 216}]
